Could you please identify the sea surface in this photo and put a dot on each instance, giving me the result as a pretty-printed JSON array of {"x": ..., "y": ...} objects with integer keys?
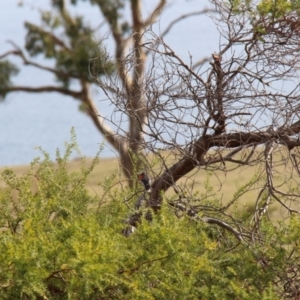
[{"x": 29, "y": 121}]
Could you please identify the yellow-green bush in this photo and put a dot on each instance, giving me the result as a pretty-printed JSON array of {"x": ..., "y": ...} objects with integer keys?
[{"x": 56, "y": 244}]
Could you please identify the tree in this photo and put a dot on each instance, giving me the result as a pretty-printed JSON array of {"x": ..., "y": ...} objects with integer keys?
[
  {"x": 70, "y": 42},
  {"x": 238, "y": 108}
]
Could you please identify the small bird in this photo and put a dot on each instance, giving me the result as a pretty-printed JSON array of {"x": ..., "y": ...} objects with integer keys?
[{"x": 144, "y": 179}]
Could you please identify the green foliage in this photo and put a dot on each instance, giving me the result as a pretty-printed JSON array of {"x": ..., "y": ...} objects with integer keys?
[
  {"x": 7, "y": 70},
  {"x": 70, "y": 42},
  {"x": 55, "y": 243},
  {"x": 113, "y": 12},
  {"x": 265, "y": 14},
  {"x": 111, "y": 9},
  {"x": 278, "y": 8}
]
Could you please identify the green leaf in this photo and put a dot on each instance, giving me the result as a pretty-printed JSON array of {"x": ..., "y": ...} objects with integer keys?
[{"x": 7, "y": 70}]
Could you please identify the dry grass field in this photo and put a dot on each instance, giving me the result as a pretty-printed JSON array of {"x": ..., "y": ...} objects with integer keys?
[
  {"x": 104, "y": 168},
  {"x": 224, "y": 183}
]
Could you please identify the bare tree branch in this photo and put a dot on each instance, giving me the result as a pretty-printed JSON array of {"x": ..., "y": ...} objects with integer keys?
[
  {"x": 155, "y": 14},
  {"x": 113, "y": 138},
  {"x": 42, "y": 89},
  {"x": 182, "y": 17}
]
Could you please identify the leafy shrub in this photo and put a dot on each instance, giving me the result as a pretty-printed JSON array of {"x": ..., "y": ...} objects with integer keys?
[{"x": 56, "y": 244}]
